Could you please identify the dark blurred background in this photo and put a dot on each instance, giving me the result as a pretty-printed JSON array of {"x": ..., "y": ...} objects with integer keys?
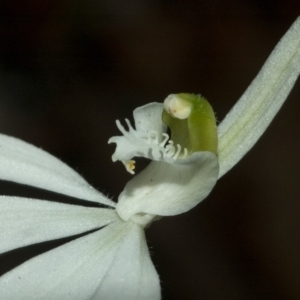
[{"x": 69, "y": 69}]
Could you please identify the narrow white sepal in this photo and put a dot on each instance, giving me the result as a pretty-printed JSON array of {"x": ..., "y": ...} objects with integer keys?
[
  {"x": 166, "y": 189},
  {"x": 24, "y": 163},
  {"x": 84, "y": 268},
  {"x": 131, "y": 275},
  {"x": 26, "y": 221},
  {"x": 254, "y": 111}
]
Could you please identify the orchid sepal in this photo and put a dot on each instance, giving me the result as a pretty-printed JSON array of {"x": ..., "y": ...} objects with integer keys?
[{"x": 254, "y": 111}]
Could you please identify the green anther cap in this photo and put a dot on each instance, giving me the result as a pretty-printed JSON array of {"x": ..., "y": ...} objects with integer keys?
[{"x": 192, "y": 122}]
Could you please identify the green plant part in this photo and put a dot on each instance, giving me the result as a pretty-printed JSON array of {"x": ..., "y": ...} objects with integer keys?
[{"x": 192, "y": 122}]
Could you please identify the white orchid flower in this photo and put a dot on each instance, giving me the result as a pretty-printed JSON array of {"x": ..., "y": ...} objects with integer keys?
[
  {"x": 183, "y": 171},
  {"x": 113, "y": 262}
]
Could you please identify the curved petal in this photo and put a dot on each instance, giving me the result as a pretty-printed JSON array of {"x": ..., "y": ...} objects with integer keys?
[
  {"x": 254, "y": 111},
  {"x": 79, "y": 269},
  {"x": 149, "y": 118},
  {"x": 28, "y": 221},
  {"x": 23, "y": 163},
  {"x": 169, "y": 189}
]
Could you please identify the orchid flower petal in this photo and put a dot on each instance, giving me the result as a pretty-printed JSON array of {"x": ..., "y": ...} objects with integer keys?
[
  {"x": 26, "y": 221},
  {"x": 257, "y": 107},
  {"x": 132, "y": 274},
  {"x": 147, "y": 140},
  {"x": 148, "y": 117},
  {"x": 71, "y": 271},
  {"x": 166, "y": 189},
  {"x": 23, "y": 163},
  {"x": 78, "y": 269}
]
